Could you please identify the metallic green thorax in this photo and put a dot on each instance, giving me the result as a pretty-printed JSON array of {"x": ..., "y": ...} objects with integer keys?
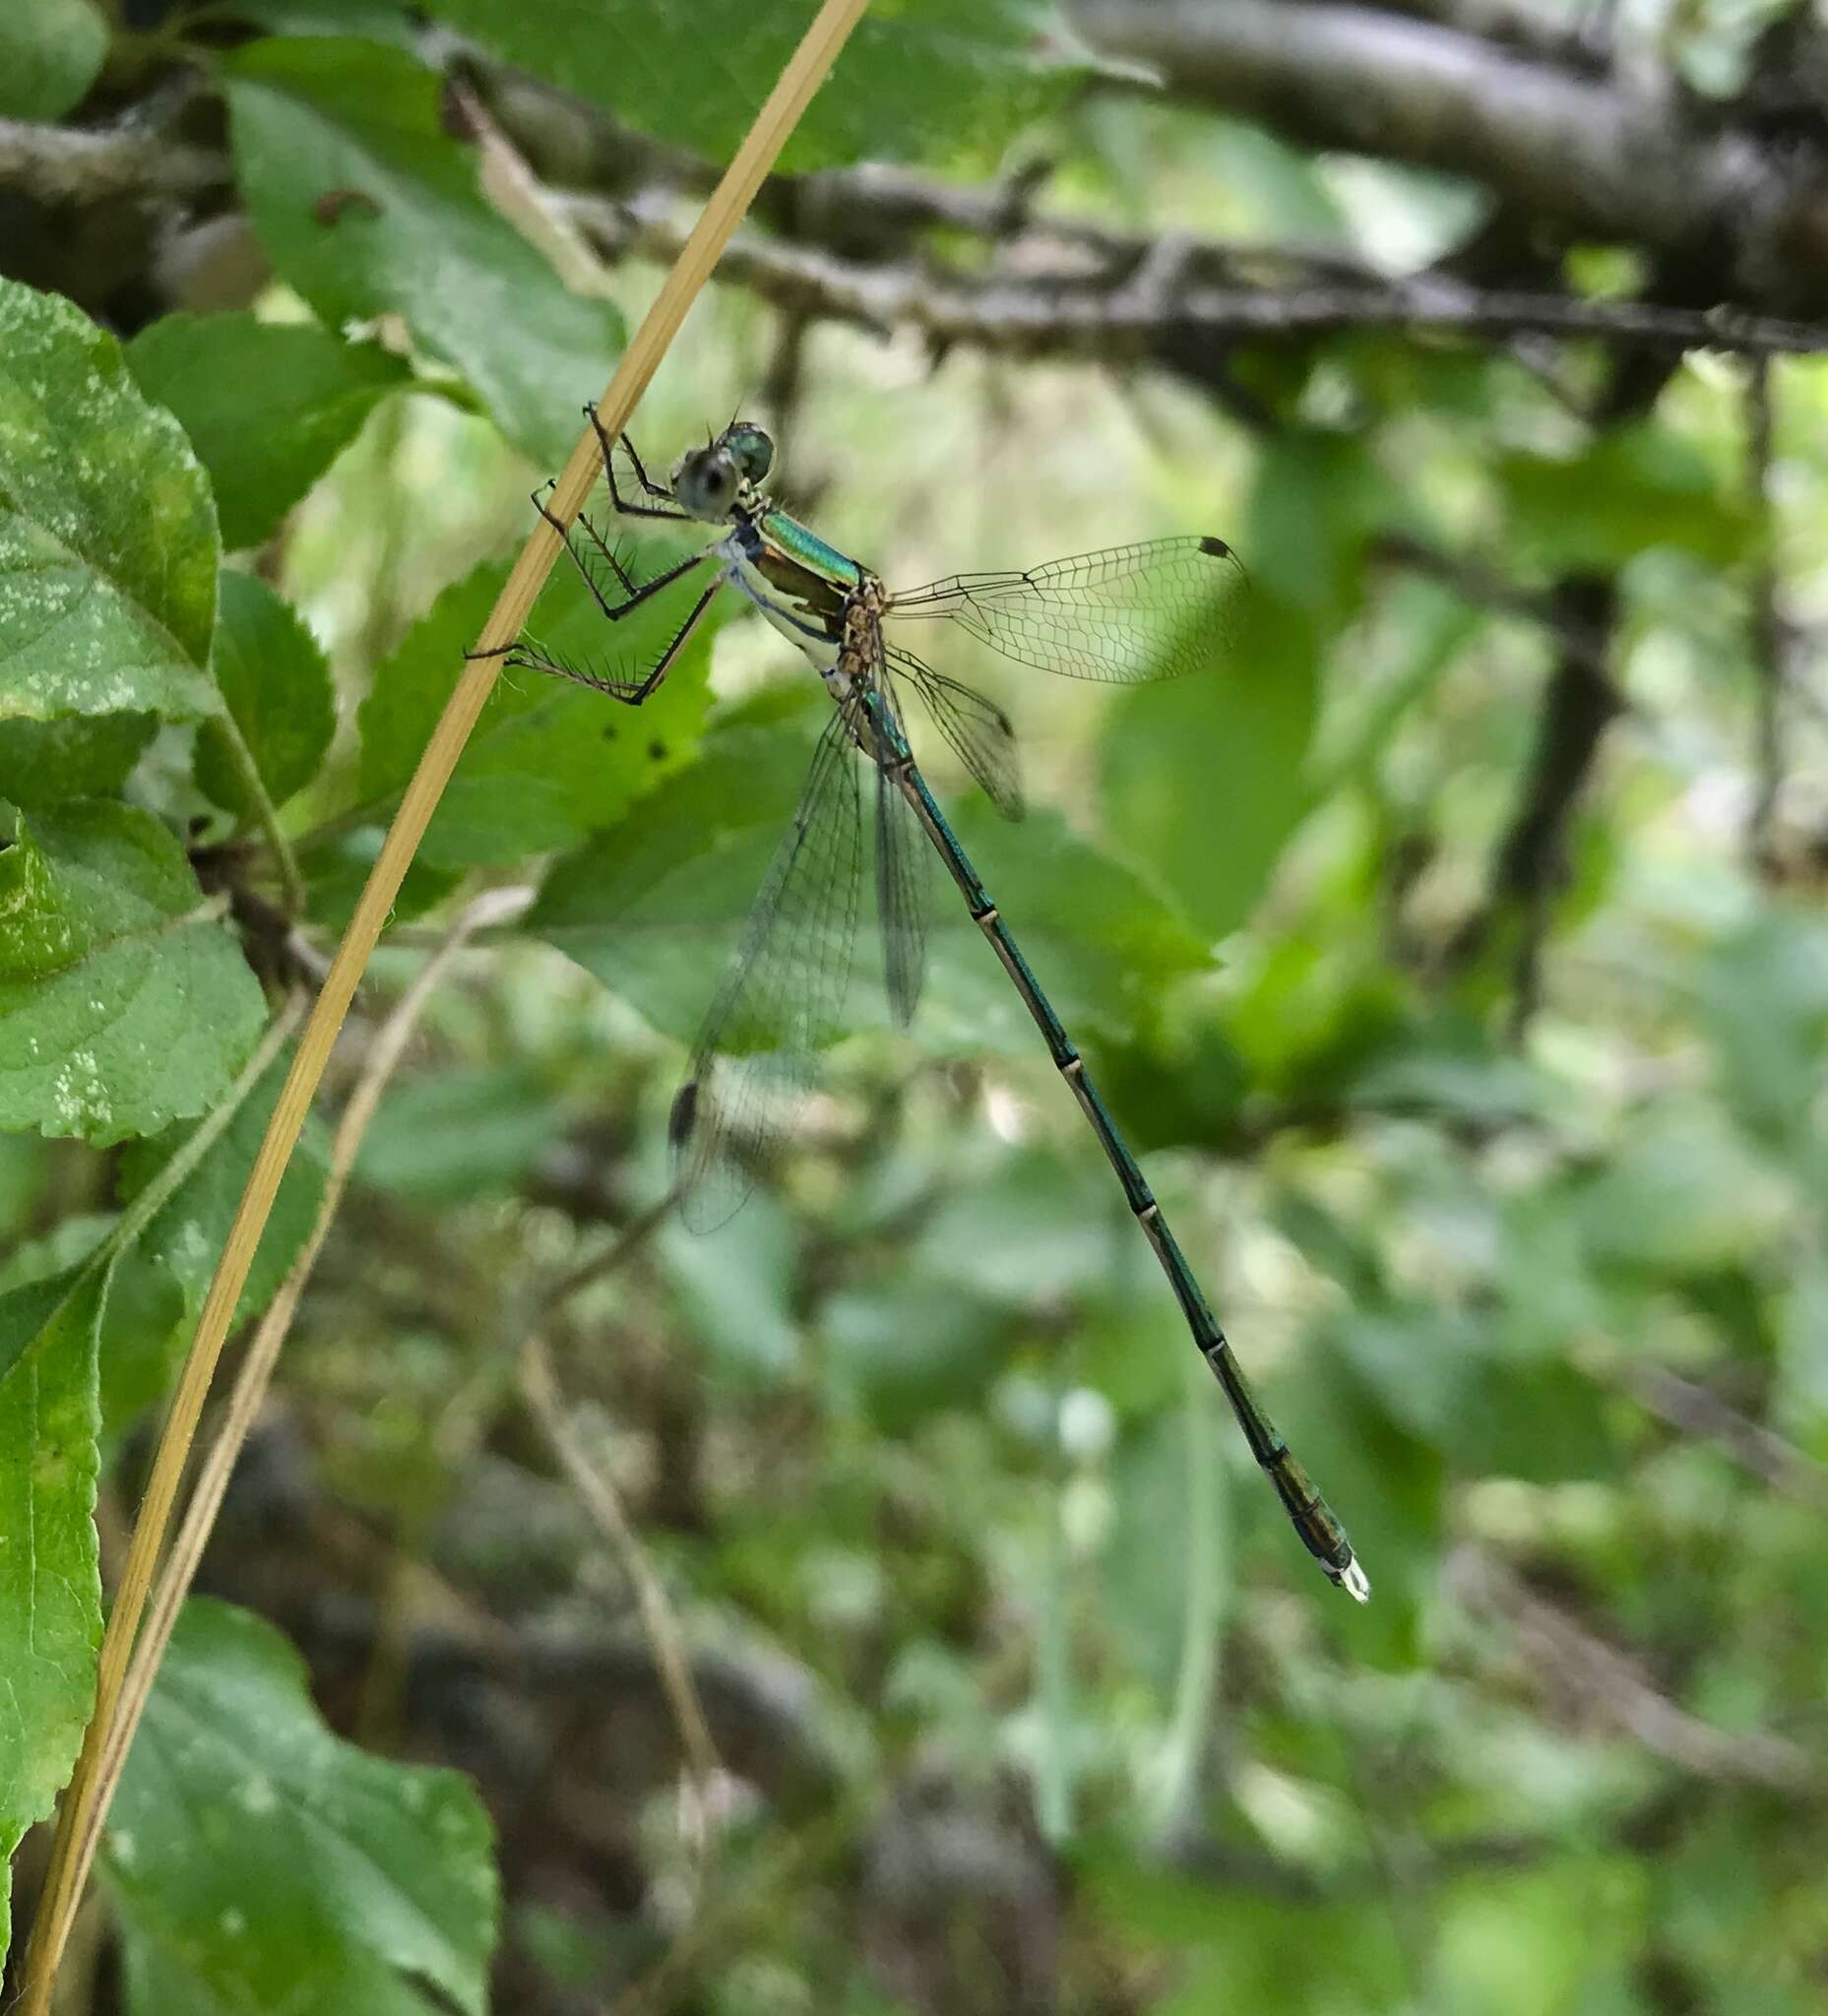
[{"x": 793, "y": 540}]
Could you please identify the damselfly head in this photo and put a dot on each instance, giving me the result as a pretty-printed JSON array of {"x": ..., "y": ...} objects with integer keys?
[{"x": 710, "y": 481}]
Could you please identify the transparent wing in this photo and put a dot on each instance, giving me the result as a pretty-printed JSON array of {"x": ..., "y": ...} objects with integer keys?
[
  {"x": 903, "y": 866},
  {"x": 977, "y": 730},
  {"x": 1157, "y": 611},
  {"x": 780, "y": 1004}
]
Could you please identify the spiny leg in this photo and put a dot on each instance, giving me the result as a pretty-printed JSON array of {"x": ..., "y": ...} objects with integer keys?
[
  {"x": 624, "y": 508},
  {"x": 630, "y": 692},
  {"x": 633, "y": 596}
]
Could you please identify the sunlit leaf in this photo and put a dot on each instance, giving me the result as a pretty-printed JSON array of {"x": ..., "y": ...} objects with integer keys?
[
  {"x": 275, "y": 688},
  {"x": 107, "y": 534},
  {"x": 921, "y": 78},
  {"x": 259, "y": 1862},
  {"x": 367, "y": 207},
  {"x": 50, "y": 1590},
  {"x": 124, "y": 1003},
  {"x": 267, "y": 406}
]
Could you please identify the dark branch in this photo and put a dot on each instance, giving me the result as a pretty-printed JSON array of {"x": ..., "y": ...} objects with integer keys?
[
  {"x": 66, "y": 165},
  {"x": 1160, "y": 304},
  {"x": 1767, "y": 636},
  {"x": 1595, "y": 157}
]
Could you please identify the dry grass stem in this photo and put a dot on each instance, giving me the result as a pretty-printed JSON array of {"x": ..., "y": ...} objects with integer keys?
[
  {"x": 605, "y": 1504},
  {"x": 256, "y": 1369},
  {"x": 84, "y": 1803}
]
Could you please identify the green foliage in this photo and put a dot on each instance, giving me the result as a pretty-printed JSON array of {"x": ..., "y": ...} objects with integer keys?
[
  {"x": 191, "y": 1226},
  {"x": 50, "y": 54},
  {"x": 1630, "y": 489},
  {"x": 461, "y": 1134},
  {"x": 267, "y": 406},
  {"x": 81, "y": 756},
  {"x": 550, "y": 761},
  {"x": 923, "y": 77},
  {"x": 1207, "y": 777},
  {"x": 258, "y": 1862},
  {"x": 50, "y": 1593},
  {"x": 964, "y": 1551},
  {"x": 655, "y": 906},
  {"x": 367, "y": 207},
  {"x": 124, "y": 1003},
  {"x": 108, "y": 559},
  {"x": 277, "y": 694}
]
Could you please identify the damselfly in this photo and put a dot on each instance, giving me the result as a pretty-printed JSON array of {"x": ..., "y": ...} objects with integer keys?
[{"x": 1124, "y": 616}]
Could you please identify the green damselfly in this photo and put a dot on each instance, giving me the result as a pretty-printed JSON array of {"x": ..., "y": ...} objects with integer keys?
[{"x": 1124, "y": 616}]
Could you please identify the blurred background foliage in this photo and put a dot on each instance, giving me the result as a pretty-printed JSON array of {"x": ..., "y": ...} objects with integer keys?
[{"x": 1454, "y": 953}]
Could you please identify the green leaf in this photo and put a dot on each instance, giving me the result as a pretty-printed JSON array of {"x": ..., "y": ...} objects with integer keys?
[
  {"x": 124, "y": 1005},
  {"x": 144, "y": 1337},
  {"x": 1450, "y": 1066},
  {"x": 1633, "y": 488},
  {"x": 651, "y": 907},
  {"x": 922, "y": 78},
  {"x": 189, "y": 1231},
  {"x": 1204, "y": 778},
  {"x": 1764, "y": 998},
  {"x": 735, "y": 1291},
  {"x": 1683, "y": 1196},
  {"x": 460, "y": 1133},
  {"x": 367, "y": 207},
  {"x": 1030, "y": 1231},
  {"x": 655, "y": 906},
  {"x": 258, "y": 1862},
  {"x": 107, "y": 534},
  {"x": 337, "y": 871},
  {"x": 268, "y": 405},
  {"x": 906, "y": 1349},
  {"x": 50, "y": 52},
  {"x": 82, "y": 756},
  {"x": 276, "y": 689},
  {"x": 549, "y": 762},
  {"x": 50, "y": 1587}
]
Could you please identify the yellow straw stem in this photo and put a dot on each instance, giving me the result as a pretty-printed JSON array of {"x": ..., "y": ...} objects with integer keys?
[{"x": 84, "y": 1805}]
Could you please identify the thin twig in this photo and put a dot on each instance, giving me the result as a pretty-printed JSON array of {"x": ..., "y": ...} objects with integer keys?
[
  {"x": 605, "y": 1504},
  {"x": 85, "y": 1803},
  {"x": 255, "y": 1375},
  {"x": 1106, "y": 317},
  {"x": 65, "y": 164},
  {"x": 181, "y": 1165},
  {"x": 1609, "y": 1683},
  {"x": 803, "y": 1852},
  {"x": 1767, "y": 639},
  {"x": 1691, "y": 1409},
  {"x": 614, "y": 1257},
  {"x": 265, "y": 813}
]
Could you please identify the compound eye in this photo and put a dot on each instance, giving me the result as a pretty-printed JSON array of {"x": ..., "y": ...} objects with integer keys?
[{"x": 753, "y": 451}]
